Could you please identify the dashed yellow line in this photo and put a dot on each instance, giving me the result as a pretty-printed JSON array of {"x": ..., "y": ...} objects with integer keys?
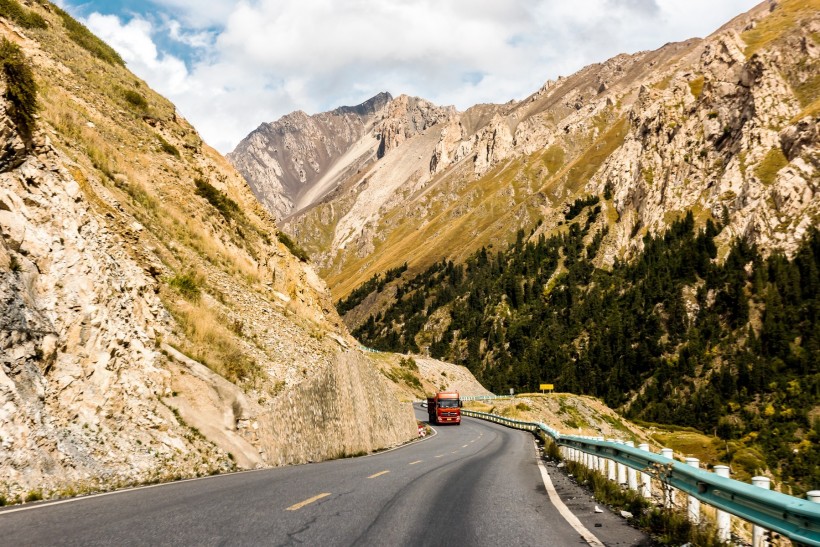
[
  {"x": 297, "y": 506},
  {"x": 379, "y": 474},
  {"x": 415, "y": 462}
]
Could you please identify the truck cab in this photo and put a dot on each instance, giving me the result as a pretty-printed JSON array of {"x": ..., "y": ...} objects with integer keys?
[{"x": 444, "y": 408}]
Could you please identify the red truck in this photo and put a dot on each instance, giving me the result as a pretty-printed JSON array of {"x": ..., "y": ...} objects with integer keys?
[{"x": 444, "y": 408}]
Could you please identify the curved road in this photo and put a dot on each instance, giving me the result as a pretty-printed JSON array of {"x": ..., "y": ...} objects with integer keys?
[{"x": 474, "y": 484}]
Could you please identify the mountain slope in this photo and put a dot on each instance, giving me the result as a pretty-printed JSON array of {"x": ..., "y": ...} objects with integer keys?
[
  {"x": 297, "y": 159},
  {"x": 727, "y": 123},
  {"x": 152, "y": 323}
]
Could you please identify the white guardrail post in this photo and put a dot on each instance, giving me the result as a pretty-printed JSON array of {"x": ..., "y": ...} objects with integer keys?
[
  {"x": 694, "y": 503},
  {"x": 621, "y": 470},
  {"x": 631, "y": 474},
  {"x": 646, "y": 478},
  {"x": 758, "y": 532},
  {"x": 600, "y": 461},
  {"x": 668, "y": 491},
  {"x": 612, "y": 473},
  {"x": 723, "y": 519}
]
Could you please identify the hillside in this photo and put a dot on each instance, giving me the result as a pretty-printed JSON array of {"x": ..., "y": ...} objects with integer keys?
[
  {"x": 674, "y": 336},
  {"x": 154, "y": 323},
  {"x": 723, "y": 126}
]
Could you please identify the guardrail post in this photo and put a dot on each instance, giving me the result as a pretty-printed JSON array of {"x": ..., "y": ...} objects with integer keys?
[
  {"x": 646, "y": 478},
  {"x": 758, "y": 532},
  {"x": 724, "y": 519},
  {"x": 621, "y": 470},
  {"x": 668, "y": 492},
  {"x": 612, "y": 473},
  {"x": 694, "y": 503},
  {"x": 631, "y": 474},
  {"x": 814, "y": 496},
  {"x": 599, "y": 460}
]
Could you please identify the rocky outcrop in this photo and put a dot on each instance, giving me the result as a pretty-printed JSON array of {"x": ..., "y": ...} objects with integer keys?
[{"x": 405, "y": 118}]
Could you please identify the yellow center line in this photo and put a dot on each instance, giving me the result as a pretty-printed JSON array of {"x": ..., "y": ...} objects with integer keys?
[
  {"x": 415, "y": 462},
  {"x": 297, "y": 506},
  {"x": 379, "y": 474}
]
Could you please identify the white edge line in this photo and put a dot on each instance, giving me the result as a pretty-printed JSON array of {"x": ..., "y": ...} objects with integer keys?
[
  {"x": 568, "y": 515},
  {"x": 52, "y": 503}
]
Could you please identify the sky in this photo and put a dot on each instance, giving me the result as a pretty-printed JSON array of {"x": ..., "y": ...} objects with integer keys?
[{"x": 231, "y": 65}]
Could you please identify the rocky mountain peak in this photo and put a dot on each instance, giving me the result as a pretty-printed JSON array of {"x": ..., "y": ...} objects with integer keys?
[
  {"x": 295, "y": 160},
  {"x": 368, "y": 108}
]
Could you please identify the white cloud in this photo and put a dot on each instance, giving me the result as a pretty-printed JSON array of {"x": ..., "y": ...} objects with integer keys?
[
  {"x": 133, "y": 41},
  {"x": 260, "y": 59}
]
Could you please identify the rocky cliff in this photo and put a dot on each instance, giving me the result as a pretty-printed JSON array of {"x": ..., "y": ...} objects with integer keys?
[
  {"x": 152, "y": 323},
  {"x": 294, "y": 161},
  {"x": 724, "y": 126}
]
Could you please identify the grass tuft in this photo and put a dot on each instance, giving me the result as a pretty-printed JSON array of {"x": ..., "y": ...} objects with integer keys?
[
  {"x": 188, "y": 285},
  {"x": 773, "y": 162},
  {"x": 295, "y": 249},
  {"x": 696, "y": 87},
  {"x": 135, "y": 99}
]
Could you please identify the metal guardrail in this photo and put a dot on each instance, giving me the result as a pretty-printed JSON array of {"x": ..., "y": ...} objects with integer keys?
[
  {"x": 484, "y": 397},
  {"x": 795, "y": 518}
]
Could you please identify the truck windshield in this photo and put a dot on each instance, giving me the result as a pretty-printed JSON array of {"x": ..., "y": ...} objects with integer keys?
[{"x": 448, "y": 403}]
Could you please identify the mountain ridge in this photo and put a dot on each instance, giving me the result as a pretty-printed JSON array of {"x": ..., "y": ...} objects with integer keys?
[{"x": 474, "y": 178}]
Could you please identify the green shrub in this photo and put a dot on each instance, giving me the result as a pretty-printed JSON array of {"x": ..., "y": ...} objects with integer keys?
[
  {"x": 23, "y": 17},
  {"x": 21, "y": 90},
  {"x": 409, "y": 363},
  {"x": 295, "y": 249},
  {"x": 227, "y": 207},
  {"x": 187, "y": 285},
  {"x": 34, "y": 495},
  {"x": 86, "y": 39},
  {"x": 135, "y": 99},
  {"x": 167, "y": 147}
]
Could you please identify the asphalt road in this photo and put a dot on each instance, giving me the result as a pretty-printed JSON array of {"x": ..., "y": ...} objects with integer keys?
[{"x": 473, "y": 484}]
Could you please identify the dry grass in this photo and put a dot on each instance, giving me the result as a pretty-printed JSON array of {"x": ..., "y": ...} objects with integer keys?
[
  {"x": 771, "y": 164},
  {"x": 783, "y": 19},
  {"x": 209, "y": 341},
  {"x": 696, "y": 86}
]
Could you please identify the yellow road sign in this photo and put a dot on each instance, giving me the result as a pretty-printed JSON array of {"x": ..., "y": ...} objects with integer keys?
[{"x": 547, "y": 387}]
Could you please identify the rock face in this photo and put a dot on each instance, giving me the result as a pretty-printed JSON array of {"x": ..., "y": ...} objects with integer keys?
[
  {"x": 725, "y": 126},
  {"x": 152, "y": 325},
  {"x": 297, "y": 159}
]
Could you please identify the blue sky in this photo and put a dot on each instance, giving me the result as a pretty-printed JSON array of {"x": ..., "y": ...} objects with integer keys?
[{"x": 230, "y": 65}]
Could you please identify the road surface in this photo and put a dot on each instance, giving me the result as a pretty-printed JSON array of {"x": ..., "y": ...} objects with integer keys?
[{"x": 474, "y": 484}]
